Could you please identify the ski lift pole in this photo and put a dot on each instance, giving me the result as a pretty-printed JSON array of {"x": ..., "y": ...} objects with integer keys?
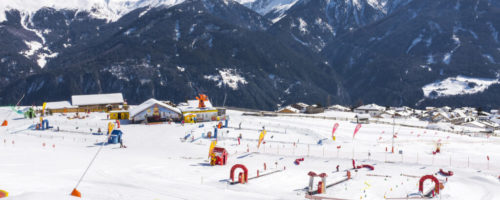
[{"x": 75, "y": 192}]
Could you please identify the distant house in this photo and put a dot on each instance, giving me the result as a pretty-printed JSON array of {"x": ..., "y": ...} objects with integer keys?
[
  {"x": 300, "y": 106},
  {"x": 403, "y": 114},
  {"x": 60, "y": 107},
  {"x": 440, "y": 116},
  {"x": 371, "y": 109},
  {"x": 362, "y": 118},
  {"x": 474, "y": 124},
  {"x": 288, "y": 109},
  {"x": 153, "y": 110},
  {"x": 428, "y": 109},
  {"x": 339, "y": 108},
  {"x": 313, "y": 109},
  {"x": 98, "y": 102}
]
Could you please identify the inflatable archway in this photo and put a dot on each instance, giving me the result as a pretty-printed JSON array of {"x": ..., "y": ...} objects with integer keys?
[
  {"x": 422, "y": 180},
  {"x": 366, "y": 166},
  {"x": 245, "y": 172}
]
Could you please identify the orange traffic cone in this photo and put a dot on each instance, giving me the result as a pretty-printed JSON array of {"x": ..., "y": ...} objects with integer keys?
[
  {"x": 5, "y": 123},
  {"x": 76, "y": 193}
]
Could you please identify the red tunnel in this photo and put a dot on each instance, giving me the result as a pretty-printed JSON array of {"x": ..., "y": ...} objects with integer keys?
[
  {"x": 449, "y": 173},
  {"x": 245, "y": 171},
  {"x": 366, "y": 166},
  {"x": 434, "y": 179}
]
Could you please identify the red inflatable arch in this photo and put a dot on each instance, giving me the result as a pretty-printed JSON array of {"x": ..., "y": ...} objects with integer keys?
[
  {"x": 245, "y": 171},
  {"x": 434, "y": 179},
  {"x": 366, "y": 166}
]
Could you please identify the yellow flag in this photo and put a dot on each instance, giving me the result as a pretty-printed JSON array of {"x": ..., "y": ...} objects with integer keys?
[
  {"x": 110, "y": 127},
  {"x": 261, "y": 137},
  {"x": 212, "y": 146}
]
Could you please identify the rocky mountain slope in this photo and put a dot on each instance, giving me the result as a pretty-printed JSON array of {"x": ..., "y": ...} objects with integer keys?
[{"x": 253, "y": 53}]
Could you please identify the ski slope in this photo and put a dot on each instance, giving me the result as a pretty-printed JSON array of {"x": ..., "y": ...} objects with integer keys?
[{"x": 158, "y": 164}]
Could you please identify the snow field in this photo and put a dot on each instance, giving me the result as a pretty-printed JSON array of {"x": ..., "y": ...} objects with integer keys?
[{"x": 159, "y": 165}]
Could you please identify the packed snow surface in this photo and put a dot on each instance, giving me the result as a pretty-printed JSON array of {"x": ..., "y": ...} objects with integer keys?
[
  {"x": 169, "y": 161},
  {"x": 457, "y": 86}
]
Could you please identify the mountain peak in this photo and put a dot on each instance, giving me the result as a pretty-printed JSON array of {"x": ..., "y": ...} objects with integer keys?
[{"x": 110, "y": 10}]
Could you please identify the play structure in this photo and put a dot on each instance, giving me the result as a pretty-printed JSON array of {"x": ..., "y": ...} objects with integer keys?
[
  {"x": 243, "y": 176},
  {"x": 362, "y": 166},
  {"x": 298, "y": 160},
  {"x": 442, "y": 172},
  {"x": 43, "y": 125},
  {"x": 322, "y": 186},
  {"x": 30, "y": 113},
  {"x": 432, "y": 192},
  {"x": 201, "y": 100},
  {"x": 115, "y": 137},
  {"x": 218, "y": 156}
]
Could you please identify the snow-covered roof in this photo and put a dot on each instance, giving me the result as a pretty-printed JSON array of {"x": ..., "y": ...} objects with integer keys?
[
  {"x": 371, "y": 107},
  {"x": 58, "y": 105},
  {"x": 475, "y": 124},
  {"x": 301, "y": 104},
  {"x": 289, "y": 108},
  {"x": 339, "y": 107},
  {"x": 145, "y": 105},
  {"x": 97, "y": 99}
]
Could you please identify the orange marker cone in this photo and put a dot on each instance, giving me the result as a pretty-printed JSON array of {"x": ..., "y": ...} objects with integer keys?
[
  {"x": 5, "y": 123},
  {"x": 76, "y": 193}
]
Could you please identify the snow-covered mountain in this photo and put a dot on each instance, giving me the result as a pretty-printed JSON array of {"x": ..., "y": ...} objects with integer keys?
[
  {"x": 110, "y": 10},
  {"x": 272, "y": 9},
  {"x": 173, "y": 52},
  {"x": 262, "y": 53}
]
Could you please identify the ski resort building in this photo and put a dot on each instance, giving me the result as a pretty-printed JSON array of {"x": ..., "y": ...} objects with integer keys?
[
  {"x": 60, "y": 107},
  {"x": 372, "y": 109},
  {"x": 98, "y": 102},
  {"x": 119, "y": 114},
  {"x": 153, "y": 110},
  {"x": 207, "y": 113}
]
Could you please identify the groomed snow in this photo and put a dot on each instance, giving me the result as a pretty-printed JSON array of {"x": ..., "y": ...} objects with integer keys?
[
  {"x": 457, "y": 86},
  {"x": 159, "y": 164}
]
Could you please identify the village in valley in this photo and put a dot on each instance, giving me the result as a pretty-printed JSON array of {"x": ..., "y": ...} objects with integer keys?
[{"x": 97, "y": 146}]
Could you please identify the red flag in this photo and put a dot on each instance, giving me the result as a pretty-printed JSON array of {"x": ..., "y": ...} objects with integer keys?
[
  {"x": 334, "y": 129},
  {"x": 356, "y": 130},
  {"x": 488, "y": 157}
]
